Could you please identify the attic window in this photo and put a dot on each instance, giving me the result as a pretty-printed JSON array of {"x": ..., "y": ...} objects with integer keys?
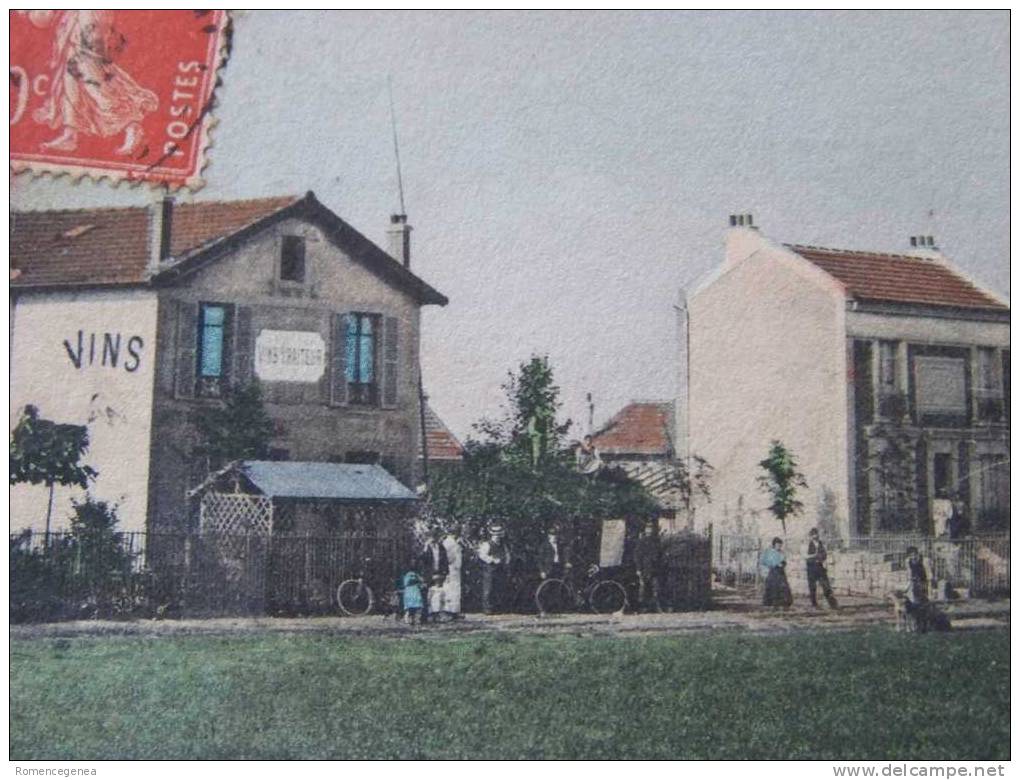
[
  {"x": 78, "y": 230},
  {"x": 292, "y": 259}
]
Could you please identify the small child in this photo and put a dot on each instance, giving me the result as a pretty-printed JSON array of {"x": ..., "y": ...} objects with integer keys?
[{"x": 413, "y": 598}]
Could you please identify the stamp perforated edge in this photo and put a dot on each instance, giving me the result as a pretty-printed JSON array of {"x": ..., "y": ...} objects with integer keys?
[{"x": 115, "y": 177}]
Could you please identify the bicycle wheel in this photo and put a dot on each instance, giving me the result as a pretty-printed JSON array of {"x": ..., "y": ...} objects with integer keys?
[
  {"x": 607, "y": 597},
  {"x": 554, "y": 597},
  {"x": 354, "y": 598}
]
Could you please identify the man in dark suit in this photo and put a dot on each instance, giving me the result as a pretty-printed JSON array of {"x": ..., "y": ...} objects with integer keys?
[
  {"x": 815, "y": 555},
  {"x": 434, "y": 565},
  {"x": 553, "y": 557},
  {"x": 648, "y": 561}
]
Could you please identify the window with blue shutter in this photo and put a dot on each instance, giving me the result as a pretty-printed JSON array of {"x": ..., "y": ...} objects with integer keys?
[
  {"x": 213, "y": 349},
  {"x": 360, "y": 347}
]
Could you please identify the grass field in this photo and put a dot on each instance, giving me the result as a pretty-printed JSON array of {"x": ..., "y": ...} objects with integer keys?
[{"x": 836, "y": 696}]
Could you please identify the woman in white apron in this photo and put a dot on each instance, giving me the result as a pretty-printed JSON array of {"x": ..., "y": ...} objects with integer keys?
[{"x": 451, "y": 585}]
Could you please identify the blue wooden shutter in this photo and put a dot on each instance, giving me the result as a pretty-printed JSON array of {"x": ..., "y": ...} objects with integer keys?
[
  {"x": 338, "y": 367},
  {"x": 243, "y": 347},
  {"x": 389, "y": 368},
  {"x": 186, "y": 357}
]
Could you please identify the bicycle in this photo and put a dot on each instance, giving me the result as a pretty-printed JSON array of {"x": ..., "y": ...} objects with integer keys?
[
  {"x": 601, "y": 596},
  {"x": 354, "y": 597}
]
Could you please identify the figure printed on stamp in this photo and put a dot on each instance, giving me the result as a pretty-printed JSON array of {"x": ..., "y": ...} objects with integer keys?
[{"x": 89, "y": 93}]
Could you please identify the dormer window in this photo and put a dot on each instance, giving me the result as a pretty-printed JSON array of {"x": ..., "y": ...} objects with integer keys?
[{"x": 292, "y": 259}]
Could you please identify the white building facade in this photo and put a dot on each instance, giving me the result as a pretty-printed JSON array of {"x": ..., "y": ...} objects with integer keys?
[{"x": 885, "y": 375}]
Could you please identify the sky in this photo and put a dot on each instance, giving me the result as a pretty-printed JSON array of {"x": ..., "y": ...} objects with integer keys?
[{"x": 568, "y": 173}]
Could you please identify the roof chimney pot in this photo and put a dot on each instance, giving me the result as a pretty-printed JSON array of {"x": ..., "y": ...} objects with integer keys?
[{"x": 399, "y": 235}]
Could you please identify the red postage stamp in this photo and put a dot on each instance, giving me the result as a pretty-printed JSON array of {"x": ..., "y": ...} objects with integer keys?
[{"x": 120, "y": 94}]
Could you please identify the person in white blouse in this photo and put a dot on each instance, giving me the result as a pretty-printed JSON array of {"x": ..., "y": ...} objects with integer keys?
[{"x": 494, "y": 554}]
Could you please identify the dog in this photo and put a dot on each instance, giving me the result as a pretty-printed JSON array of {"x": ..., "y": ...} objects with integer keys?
[{"x": 904, "y": 621}]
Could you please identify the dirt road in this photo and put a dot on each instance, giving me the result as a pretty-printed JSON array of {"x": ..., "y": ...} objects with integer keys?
[{"x": 731, "y": 612}]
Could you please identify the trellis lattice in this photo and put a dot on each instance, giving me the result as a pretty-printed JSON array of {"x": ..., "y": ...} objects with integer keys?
[{"x": 236, "y": 513}]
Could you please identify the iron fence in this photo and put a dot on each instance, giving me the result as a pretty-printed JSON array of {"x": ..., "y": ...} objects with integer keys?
[
  {"x": 977, "y": 565},
  {"x": 63, "y": 576}
]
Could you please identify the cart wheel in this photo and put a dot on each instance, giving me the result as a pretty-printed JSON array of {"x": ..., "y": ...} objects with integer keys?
[
  {"x": 354, "y": 598},
  {"x": 607, "y": 597},
  {"x": 554, "y": 597}
]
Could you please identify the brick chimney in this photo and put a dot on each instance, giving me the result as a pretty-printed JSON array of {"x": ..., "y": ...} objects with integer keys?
[
  {"x": 399, "y": 234},
  {"x": 161, "y": 216}
]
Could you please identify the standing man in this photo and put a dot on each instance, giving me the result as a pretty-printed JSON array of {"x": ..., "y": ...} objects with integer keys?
[
  {"x": 589, "y": 461},
  {"x": 494, "y": 553},
  {"x": 815, "y": 556},
  {"x": 553, "y": 557},
  {"x": 434, "y": 565},
  {"x": 648, "y": 560}
]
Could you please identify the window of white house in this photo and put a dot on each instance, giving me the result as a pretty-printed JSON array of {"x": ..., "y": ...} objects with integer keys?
[
  {"x": 887, "y": 364},
  {"x": 986, "y": 368},
  {"x": 993, "y": 475},
  {"x": 941, "y": 385},
  {"x": 360, "y": 358},
  {"x": 292, "y": 259},
  {"x": 211, "y": 365}
]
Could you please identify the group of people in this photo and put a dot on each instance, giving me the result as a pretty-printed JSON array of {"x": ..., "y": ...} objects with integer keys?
[
  {"x": 431, "y": 590},
  {"x": 777, "y": 587},
  {"x": 914, "y": 590}
]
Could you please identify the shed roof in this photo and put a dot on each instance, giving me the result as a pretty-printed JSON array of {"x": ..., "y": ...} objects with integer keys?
[
  {"x": 336, "y": 481},
  {"x": 879, "y": 277}
]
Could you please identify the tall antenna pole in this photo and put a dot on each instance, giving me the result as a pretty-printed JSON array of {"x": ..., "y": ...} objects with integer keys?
[{"x": 396, "y": 145}]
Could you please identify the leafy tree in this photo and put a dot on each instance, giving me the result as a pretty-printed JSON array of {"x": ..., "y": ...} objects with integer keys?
[
  {"x": 528, "y": 430},
  {"x": 521, "y": 473},
  {"x": 781, "y": 481},
  {"x": 104, "y": 564},
  {"x": 237, "y": 429},
  {"x": 896, "y": 508},
  {"x": 44, "y": 452}
]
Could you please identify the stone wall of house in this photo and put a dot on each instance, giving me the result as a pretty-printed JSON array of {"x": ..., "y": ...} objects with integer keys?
[{"x": 311, "y": 423}]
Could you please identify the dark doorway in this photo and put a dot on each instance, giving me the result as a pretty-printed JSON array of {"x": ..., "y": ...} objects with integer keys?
[{"x": 942, "y": 473}]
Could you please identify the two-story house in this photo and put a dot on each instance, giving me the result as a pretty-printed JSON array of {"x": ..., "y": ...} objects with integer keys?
[
  {"x": 885, "y": 374},
  {"x": 129, "y": 319}
]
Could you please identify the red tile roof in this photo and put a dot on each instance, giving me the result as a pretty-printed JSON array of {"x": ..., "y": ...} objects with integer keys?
[
  {"x": 53, "y": 247},
  {"x": 111, "y": 246},
  {"x": 197, "y": 224},
  {"x": 440, "y": 442},
  {"x": 640, "y": 428},
  {"x": 870, "y": 276}
]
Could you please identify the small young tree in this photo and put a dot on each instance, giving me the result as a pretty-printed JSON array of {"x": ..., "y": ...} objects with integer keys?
[
  {"x": 47, "y": 453},
  {"x": 95, "y": 536},
  {"x": 780, "y": 482},
  {"x": 237, "y": 429}
]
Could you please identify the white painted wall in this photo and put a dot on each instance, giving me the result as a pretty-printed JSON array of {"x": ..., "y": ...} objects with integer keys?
[
  {"x": 768, "y": 361},
  {"x": 114, "y": 400}
]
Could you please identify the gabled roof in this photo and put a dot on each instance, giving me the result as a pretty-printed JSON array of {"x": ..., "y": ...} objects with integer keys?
[
  {"x": 640, "y": 428},
  {"x": 892, "y": 278},
  {"x": 440, "y": 443},
  {"x": 111, "y": 247},
  {"x": 337, "y": 481},
  {"x": 99, "y": 247}
]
